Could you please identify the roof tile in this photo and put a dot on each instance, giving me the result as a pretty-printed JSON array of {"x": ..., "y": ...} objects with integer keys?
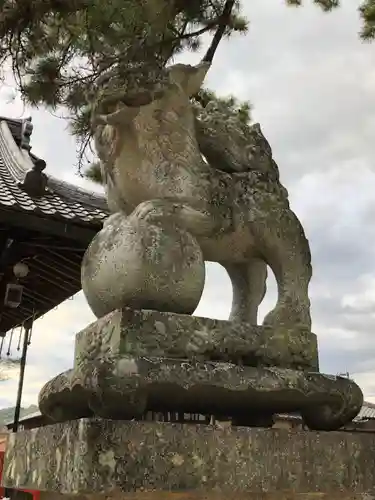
[{"x": 64, "y": 201}]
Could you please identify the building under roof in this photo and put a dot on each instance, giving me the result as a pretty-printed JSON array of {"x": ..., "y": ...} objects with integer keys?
[
  {"x": 365, "y": 416},
  {"x": 367, "y": 412},
  {"x": 45, "y": 223}
]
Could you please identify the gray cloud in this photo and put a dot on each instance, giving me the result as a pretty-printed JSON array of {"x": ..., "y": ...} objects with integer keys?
[{"x": 310, "y": 80}]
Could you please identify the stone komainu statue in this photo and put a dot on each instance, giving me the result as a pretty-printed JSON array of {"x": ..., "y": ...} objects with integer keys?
[
  {"x": 188, "y": 184},
  {"x": 164, "y": 158}
]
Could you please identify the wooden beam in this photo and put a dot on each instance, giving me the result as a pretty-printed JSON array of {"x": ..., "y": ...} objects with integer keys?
[{"x": 31, "y": 221}]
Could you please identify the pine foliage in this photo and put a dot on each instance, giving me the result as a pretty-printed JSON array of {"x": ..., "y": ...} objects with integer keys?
[
  {"x": 63, "y": 53},
  {"x": 61, "y": 50}
]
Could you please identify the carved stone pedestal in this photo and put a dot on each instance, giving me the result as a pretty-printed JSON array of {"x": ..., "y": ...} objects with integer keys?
[
  {"x": 133, "y": 362},
  {"x": 133, "y": 366},
  {"x": 150, "y": 461}
]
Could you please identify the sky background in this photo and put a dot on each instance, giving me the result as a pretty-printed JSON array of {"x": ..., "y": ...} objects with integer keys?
[{"x": 312, "y": 86}]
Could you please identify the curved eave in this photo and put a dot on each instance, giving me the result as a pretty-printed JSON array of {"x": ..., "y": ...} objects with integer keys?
[{"x": 65, "y": 202}]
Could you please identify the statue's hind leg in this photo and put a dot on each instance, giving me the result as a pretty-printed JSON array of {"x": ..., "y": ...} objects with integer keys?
[
  {"x": 281, "y": 240},
  {"x": 249, "y": 287}
]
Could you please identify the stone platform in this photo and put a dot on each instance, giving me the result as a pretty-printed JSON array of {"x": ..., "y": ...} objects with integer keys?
[
  {"x": 133, "y": 362},
  {"x": 126, "y": 388},
  {"x": 150, "y": 460},
  {"x": 137, "y": 333}
]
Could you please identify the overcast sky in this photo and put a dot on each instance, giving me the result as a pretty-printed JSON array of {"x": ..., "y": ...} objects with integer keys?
[{"x": 312, "y": 85}]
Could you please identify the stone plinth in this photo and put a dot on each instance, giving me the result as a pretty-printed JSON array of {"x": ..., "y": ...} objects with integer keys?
[
  {"x": 153, "y": 460},
  {"x": 151, "y": 333},
  {"x": 132, "y": 362}
]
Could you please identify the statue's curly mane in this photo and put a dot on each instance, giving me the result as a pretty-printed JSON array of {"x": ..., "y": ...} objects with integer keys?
[{"x": 235, "y": 147}]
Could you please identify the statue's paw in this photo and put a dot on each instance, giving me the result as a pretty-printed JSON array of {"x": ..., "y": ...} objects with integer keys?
[
  {"x": 289, "y": 316},
  {"x": 154, "y": 211},
  {"x": 197, "y": 222}
]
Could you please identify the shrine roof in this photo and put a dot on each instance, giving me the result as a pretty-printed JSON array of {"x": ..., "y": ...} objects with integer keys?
[
  {"x": 63, "y": 200},
  {"x": 49, "y": 229}
]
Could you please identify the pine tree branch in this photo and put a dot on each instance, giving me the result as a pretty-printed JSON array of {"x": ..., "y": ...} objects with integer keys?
[
  {"x": 223, "y": 23},
  {"x": 199, "y": 32}
]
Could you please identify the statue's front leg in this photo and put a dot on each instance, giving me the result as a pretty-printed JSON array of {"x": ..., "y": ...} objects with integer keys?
[{"x": 197, "y": 221}]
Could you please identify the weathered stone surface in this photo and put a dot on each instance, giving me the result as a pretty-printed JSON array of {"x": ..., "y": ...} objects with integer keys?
[
  {"x": 126, "y": 387},
  {"x": 151, "y": 333},
  {"x": 103, "y": 457},
  {"x": 212, "y": 495},
  {"x": 151, "y": 155},
  {"x": 132, "y": 263}
]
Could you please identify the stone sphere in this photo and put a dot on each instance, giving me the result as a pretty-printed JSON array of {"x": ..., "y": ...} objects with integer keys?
[{"x": 131, "y": 263}]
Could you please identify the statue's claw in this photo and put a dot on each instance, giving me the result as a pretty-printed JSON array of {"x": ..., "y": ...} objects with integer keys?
[
  {"x": 196, "y": 222},
  {"x": 153, "y": 211}
]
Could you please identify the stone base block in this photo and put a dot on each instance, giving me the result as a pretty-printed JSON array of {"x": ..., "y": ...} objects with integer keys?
[
  {"x": 133, "y": 362},
  {"x": 127, "y": 388},
  {"x": 151, "y": 461},
  {"x": 212, "y": 495},
  {"x": 137, "y": 333}
]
